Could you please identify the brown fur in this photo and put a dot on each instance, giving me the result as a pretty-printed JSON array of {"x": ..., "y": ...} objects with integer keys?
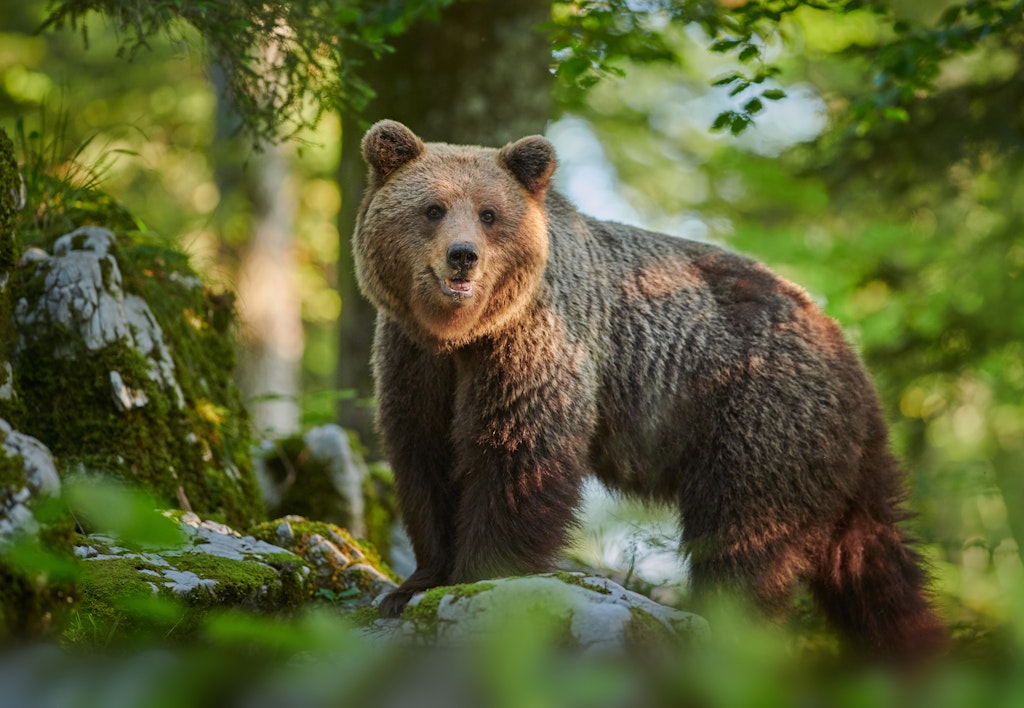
[{"x": 670, "y": 369}]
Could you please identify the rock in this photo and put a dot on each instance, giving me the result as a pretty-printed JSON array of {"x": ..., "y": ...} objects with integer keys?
[
  {"x": 83, "y": 294},
  {"x": 33, "y": 254},
  {"x": 215, "y": 567},
  {"x": 590, "y": 613},
  {"x": 32, "y": 536},
  {"x": 6, "y": 381},
  {"x": 276, "y": 577},
  {"x": 345, "y": 568},
  {"x": 134, "y": 359},
  {"x": 317, "y": 475},
  {"x": 27, "y": 475}
]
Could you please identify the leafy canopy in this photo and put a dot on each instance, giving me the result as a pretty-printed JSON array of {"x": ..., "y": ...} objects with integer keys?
[
  {"x": 284, "y": 62},
  {"x": 592, "y": 38}
]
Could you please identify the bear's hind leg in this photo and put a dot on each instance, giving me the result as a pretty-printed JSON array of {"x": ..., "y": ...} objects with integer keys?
[{"x": 764, "y": 573}]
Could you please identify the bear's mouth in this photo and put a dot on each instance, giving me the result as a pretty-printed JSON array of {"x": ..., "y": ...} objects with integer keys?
[{"x": 459, "y": 287}]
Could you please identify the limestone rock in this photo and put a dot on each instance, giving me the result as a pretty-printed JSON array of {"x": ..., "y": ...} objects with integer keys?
[
  {"x": 6, "y": 381},
  {"x": 215, "y": 567},
  {"x": 134, "y": 359},
  {"x": 184, "y": 570},
  {"x": 83, "y": 293},
  {"x": 28, "y": 475},
  {"x": 317, "y": 475},
  {"x": 30, "y": 536},
  {"x": 591, "y": 613},
  {"x": 345, "y": 569}
]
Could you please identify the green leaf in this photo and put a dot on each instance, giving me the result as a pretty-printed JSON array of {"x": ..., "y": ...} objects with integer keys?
[
  {"x": 753, "y": 106},
  {"x": 572, "y": 69},
  {"x": 722, "y": 119},
  {"x": 897, "y": 114},
  {"x": 951, "y": 15},
  {"x": 748, "y": 53},
  {"x": 773, "y": 94},
  {"x": 739, "y": 123},
  {"x": 740, "y": 88},
  {"x": 724, "y": 45},
  {"x": 726, "y": 80},
  {"x": 130, "y": 515}
]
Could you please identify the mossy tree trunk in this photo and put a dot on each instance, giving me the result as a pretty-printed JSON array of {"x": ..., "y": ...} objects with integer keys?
[{"x": 478, "y": 75}]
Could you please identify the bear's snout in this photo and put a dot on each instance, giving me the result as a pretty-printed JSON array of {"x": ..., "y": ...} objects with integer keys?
[{"x": 462, "y": 255}]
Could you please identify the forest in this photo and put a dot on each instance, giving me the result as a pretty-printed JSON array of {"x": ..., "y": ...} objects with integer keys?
[{"x": 870, "y": 151}]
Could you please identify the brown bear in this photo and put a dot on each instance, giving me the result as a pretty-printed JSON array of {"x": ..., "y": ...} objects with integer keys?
[{"x": 521, "y": 346}]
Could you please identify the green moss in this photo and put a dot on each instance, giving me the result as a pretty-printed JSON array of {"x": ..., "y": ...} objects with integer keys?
[
  {"x": 305, "y": 529},
  {"x": 10, "y": 182},
  {"x": 56, "y": 206},
  {"x": 12, "y": 469},
  {"x": 579, "y": 581},
  {"x": 199, "y": 452},
  {"x": 363, "y": 617},
  {"x": 9, "y": 251},
  {"x": 123, "y": 603},
  {"x": 239, "y": 583},
  {"x": 36, "y": 572},
  {"x": 424, "y": 613},
  {"x": 197, "y": 325},
  {"x": 311, "y": 492},
  {"x": 118, "y": 602},
  {"x": 644, "y": 630},
  {"x": 380, "y": 509}
]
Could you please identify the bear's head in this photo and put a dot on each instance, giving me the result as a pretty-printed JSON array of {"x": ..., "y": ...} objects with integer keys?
[{"x": 452, "y": 240}]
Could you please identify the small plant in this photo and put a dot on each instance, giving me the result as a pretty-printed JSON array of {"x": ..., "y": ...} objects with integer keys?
[{"x": 61, "y": 184}]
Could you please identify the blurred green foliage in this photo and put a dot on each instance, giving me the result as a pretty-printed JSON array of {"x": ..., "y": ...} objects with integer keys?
[{"x": 109, "y": 507}]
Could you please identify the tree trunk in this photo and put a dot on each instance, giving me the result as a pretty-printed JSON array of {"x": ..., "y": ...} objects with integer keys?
[
  {"x": 479, "y": 75},
  {"x": 268, "y": 301},
  {"x": 263, "y": 269}
]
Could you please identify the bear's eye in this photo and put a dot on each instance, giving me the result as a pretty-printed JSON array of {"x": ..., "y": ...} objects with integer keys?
[
  {"x": 488, "y": 216},
  {"x": 435, "y": 212}
]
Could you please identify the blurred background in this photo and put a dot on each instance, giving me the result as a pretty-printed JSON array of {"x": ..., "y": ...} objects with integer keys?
[{"x": 873, "y": 156}]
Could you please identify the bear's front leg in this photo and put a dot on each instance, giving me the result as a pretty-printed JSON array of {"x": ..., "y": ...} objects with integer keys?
[
  {"x": 522, "y": 433},
  {"x": 515, "y": 512},
  {"x": 414, "y": 398}
]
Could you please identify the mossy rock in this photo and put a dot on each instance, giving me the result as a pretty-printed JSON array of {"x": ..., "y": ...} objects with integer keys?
[
  {"x": 123, "y": 365},
  {"x": 35, "y": 540},
  {"x": 322, "y": 475},
  {"x": 132, "y": 594},
  {"x": 318, "y": 475},
  {"x": 347, "y": 570},
  {"x": 10, "y": 188},
  {"x": 380, "y": 508},
  {"x": 10, "y": 184},
  {"x": 579, "y": 611}
]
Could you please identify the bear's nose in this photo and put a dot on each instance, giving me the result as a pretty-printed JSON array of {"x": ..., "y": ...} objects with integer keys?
[{"x": 462, "y": 255}]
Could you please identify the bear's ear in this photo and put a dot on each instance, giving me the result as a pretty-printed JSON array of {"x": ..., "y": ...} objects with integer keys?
[
  {"x": 387, "y": 146},
  {"x": 532, "y": 160}
]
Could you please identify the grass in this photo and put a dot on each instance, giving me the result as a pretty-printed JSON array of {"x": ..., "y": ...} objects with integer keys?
[{"x": 62, "y": 180}]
